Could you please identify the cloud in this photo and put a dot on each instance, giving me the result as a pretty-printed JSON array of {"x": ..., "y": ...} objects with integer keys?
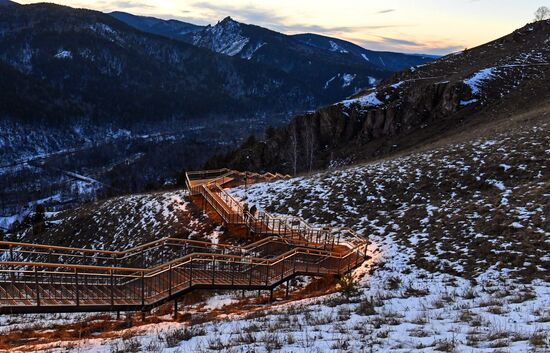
[
  {"x": 328, "y": 29},
  {"x": 268, "y": 17},
  {"x": 130, "y": 4},
  {"x": 399, "y": 41},
  {"x": 387, "y": 11},
  {"x": 249, "y": 14},
  {"x": 123, "y": 5},
  {"x": 408, "y": 46}
]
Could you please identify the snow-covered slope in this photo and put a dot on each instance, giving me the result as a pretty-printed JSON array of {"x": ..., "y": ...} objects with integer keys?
[
  {"x": 124, "y": 222},
  {"x": 459, "y": 258}
]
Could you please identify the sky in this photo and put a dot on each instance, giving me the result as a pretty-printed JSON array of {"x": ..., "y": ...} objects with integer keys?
[{"x": 412, "y": 26}]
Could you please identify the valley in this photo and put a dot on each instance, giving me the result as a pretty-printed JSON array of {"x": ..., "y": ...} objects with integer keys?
[{"x": 90, "y": 94}]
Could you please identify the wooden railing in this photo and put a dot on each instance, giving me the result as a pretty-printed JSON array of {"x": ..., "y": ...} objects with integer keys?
[
  {"x": 264, "y": 223},
  {"x": 36, "y": 287},
  {"x": 46, "y": 278}
]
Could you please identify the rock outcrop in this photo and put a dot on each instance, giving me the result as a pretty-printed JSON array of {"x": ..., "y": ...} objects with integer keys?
[{"x": 415, "y": 106}]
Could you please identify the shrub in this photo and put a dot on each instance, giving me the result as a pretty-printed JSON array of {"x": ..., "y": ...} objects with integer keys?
[
  {"x": 538, "y": 339},
  {"x": 175, "y": 337},
  {"x": 365, "y": 308},
  {"x": 393, "y": 283},
  {"x": 348, "y": 286},
  {"x": 129, "y": 345}
]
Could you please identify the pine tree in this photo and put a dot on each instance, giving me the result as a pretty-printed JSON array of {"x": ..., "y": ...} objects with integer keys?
[
  {"x": 348, "y": 286},
  {"x": 39, "y": 220}
]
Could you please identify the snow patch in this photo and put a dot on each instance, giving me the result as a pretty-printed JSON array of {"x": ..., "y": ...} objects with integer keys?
[
  {"x": 397, "y": 85},
  {"x": 369, "y": 100},
  {"x": 468, "y": 102},
  {"x": 475, "y": 81},
  {"x": 348, "y": 78},
  {"x": 330, "y": 80},
  {"x": 336, "y": 48},
  {"x": 64, "y": 55}
]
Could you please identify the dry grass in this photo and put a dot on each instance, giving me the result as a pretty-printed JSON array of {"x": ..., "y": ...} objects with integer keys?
[{"x": 472, "y": 226}]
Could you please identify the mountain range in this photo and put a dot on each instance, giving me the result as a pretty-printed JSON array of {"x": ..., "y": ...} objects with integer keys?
[
  {"x": 332, "y": 64},
  {"x": 98, "y": 104},
  {"x": 89, "y": 69}
]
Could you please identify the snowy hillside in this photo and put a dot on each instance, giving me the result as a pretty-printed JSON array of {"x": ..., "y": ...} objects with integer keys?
[
  {"x": 463, "y": 209},
  {"x": 459, "y": 259},
  {"x": 124, "y": 222}
]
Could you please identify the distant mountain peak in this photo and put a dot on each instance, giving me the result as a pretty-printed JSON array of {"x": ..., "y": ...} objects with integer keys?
[
  {"x": 225, "y": 37},
  {"x": 228, "y": 19},
  {"x": 228, "y": 23},
  {"x": 169, "y": 28}
]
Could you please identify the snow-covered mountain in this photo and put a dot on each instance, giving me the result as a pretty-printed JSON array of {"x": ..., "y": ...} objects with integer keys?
[
  {"x": 388, "y": 60},
  {"x": 331, "y": 66},
  {"x": 233, "y": 38},
  {"x": 227, "y": 38}
]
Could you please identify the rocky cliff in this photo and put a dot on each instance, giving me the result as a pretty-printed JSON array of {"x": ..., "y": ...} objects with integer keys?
[{"x": 414, "y": 107}]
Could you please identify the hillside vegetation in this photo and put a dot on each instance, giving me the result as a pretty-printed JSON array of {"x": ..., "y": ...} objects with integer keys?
[{"x": 459, "y": 257}]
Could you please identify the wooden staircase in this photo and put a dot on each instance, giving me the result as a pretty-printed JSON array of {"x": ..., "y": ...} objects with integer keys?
[{"x": 37, "y": 278}]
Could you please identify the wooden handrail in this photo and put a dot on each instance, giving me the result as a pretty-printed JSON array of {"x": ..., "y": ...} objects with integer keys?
[
  {"x": 245, "y": 260},
  {"x": 301, "y": 247}
]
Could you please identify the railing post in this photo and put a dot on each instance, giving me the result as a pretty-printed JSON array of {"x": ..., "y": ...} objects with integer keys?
[
  {"x": 262, "y": 224},
  {"x": 283, "y": 269},
  {"x": 190, "y": 272},
  {"x": 142, "y": 289},
  {"x": 12, "y": 267},
  {"x": 37, "y": 287},
  {"x": 112, "y": 288},
  {"x": 213, "y": 269},
  {"x": 267, "y": 276},
  {"x": 77, "y": 293},
  {"x": 170, "y": 280}
]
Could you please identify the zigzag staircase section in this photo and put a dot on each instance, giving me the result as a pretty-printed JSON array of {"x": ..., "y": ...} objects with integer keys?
[{"x": 38, "y": 278}]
